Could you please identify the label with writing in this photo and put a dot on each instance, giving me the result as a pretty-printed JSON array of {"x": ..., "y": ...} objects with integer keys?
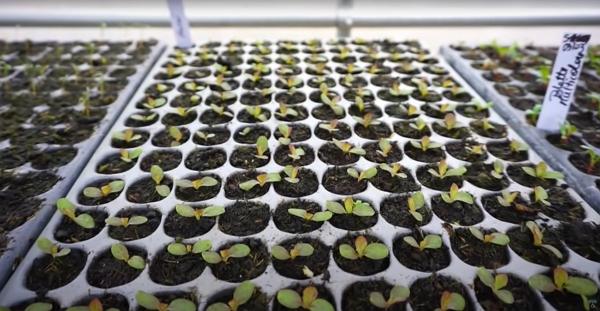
[
  {"x": 180, "y": 24},
  {"x": 563, "y": 81}
]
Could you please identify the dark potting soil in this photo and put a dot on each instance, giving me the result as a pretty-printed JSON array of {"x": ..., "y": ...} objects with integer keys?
[
  {"x": 254, "y": 99},
  {"x": 287, "y": 222},
  {"x": 525, "y": 298},
  {"x": 135, "y": 232},
  {"x": 282, "y": 155},
  {"x": 523, "y": 104},
  {"x": 479, "y": 174},
  {"x": 562, "y": 205},
  {"x": 16, "y": 209},
  {"x": 338, "y": 181},
  {"x": 396, "y": 112},
  {"x": 308, "y": 184},
  {"x": 174, "y": 119},
  {"x": 404, "y": 129},
  {"x": 15, "y": 156},
  {"x": 584, "y": 121},
  {"x": 201, "y": 194},
  {"x": 246, "y": 268},
  {"x": 362, "y": 266},
  {"x": 521, "y": 242},
  {"x": 166, "y": 159},
  {"x": 373, "y": 131},
  {"x": 502, "y": 151},
  {"x": 106, "y": 271},
  {"x": 233, "y": 192},
  {"x": 524, "y": 76},
  {"x": 581, "y": 161},
  {"x": 581, "y": 237},
  {"x": 356, "y": 296},
  {"x": 169, "y": 269},
  {"x": 318, "y": 262},
  {"x": 115, "y": 143},
  {"x": 108, "y": 301},
  {"x": 385, "y": 182},
  {"x": 245, "y": 157},
  {"x": 144, "y": 190},
  {"x": 470, "y": 111},
  {"x": 330, "y": 154},
  {"x": 82, "y": 199},
  {"x": 460, "y": 97},
  {"x": 474, "y": 251},
  {"x": 325, "y": 113},
  {"x": 518, "y": 212},
  {"x": 387, "y": 96},
  {"x": 300, "y": 132},
  {"x": 252, "y": 136},
  {"x": 367, "y": 99},
  {"x": 432, "y": 155},
  {"x": 412, "y": 71},
  {"x": 53, "y": 159},
  {"x": 426, "y": 260},
  {"x": 222, "y": 135},
  {"x": 258, "y": 300},
  {"x": 458, "y": 212},
  {"x": 395, "y": 154},
  {"x": 206, "y": 159},
  {"x": 394, "y": 210},
  {"x": 48, "y": 273},
  {"x": 436, "y": 183},
  {"x": 592, "y": 138},
  {"x": 323, "y": 293},
  {"x": 499, "y": 130},
  {"x": 567, "y": 301},
  {"x": 434, "y": 111},
  {"x": 34, "y": 183},
  {"x": 244, "y": 218},
  {"x": 425, "y": 293},
  {"x": 342, "y": 132},
  {"x": 351, "y": 222},
  {"x": 164, "y": 139},
  {"x": 130, "y": 122},
  {"x": 537, "y": 88},
  {"x": 314, "y": 83},
  {"x": 516, "y": 173},
  {"x": 459, "y": 150},
  {"x": 177, "y": 226},
  {"x": 287, "y": 99},
  {"x": 495, "y": 76},
  {"x": 245, "y": 117},
  {"x": 210, "y": 117},
  {"x": 456, "y": 133},
  {"x": 185, "y": 101},
  {"x": 68, "y": 231},
  {"x": 431, "y": 96}
]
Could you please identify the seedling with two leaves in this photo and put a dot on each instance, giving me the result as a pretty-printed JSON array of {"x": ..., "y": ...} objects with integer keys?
[
  {"x": 398, "y": 294},
  {"x": 444, "y": 172},
  {"x": 498, "y": 169},
  {"x": 479, "y": 106},
  {"x": 51, "y": 249},
  {"x": 308, "y": 301},
  {"x": 291, "y": 83},
  {"x": 393, "y": 170},
  {"x": 262, "y": 147},
  {"x": 157, "y": 175},
  {"x": 366, "y": 121},
  {"x": 333, "y": 104},
  {"x": 475, "y": 150},
  {"x": 396, "y": 91},
  {"x": 540, "y": 196},
  {"x": 317, "y": 217},
  {"x": 415, "y": 202},
  {"x": 154, "y": 103},
  {"x": 300, "y": 249},
  {"x": 241, "y": 295},
  {"x": 425, "y": 144},
  {"x": 542, "y": 172},
  {"x": 125, "y": 221},
  {"x": 205, "y": 136},
  {"x": 260, "y": 180},
  {"x": 538, "y": 238},
  {"x": 188, "y": 211},
  {"x": 194, "y": 87},
  {"x": 421, "y": 86},
  {"x": 594, "y": 158},
  {"x": 517, "y": 146},
  {"x": 384, "y": 147},
  {"x": 235, "y": 251},
  {"x": 497, "y": 284},
  {"x": 257, "y": 113},
  {"x": 350, "y": 207},
  {"x": 444, "y": 109},
  {"x": 348, "y": 148},
  {"x": 205, "y": 181},
  {"x": 179, "y": 249},
  {"x": 221, "y": 111},
  {"x": 455, "y": 195},
  {"x": 144, "y": 118},
  {"x": 152, "y": 303},
  {"x": 362, "y": 248},
  {"x": 285, "y": 131},
  {"x": 450, "y": 122},
  {"x": 534, "y": 113},
  {"x": 564, "y": 282},
  {"x": 126, "y": 136},
  {"x": 68, "y": 209},
  {"x": 285, "y": 111},
  {"x": 430, "y": 241},
  {"x": 330, "y": 127},
  {"x": 112, "y": 187},
  {"x": 411, "y": 111},
  {"x": 119, "y": 251},
  {"x": 494, "y": 238},
  {"x": 221, "y": 84},
  {"x": 319, "y": 68},
  {"x": 177, "y": 136},
  {"x": 566, "y": 131},
  {"x": 451, "y": 301},
  {"x": 366, "y": 174},
  {"x": 544, "y": 77}
]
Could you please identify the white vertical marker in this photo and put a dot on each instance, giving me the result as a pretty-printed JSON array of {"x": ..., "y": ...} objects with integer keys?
[
  {"x": 180, "y": 24},
  {"x": 563, "y": 81}
]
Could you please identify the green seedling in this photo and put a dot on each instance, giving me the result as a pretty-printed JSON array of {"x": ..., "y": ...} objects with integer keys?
[
  {"x": 235, "y": 251},
  {"x": 517, "y": 146},
  {"x": 425, "y": 144},
  {"x": 333, "y": 103},
  {"x": 443, "y": 108},
  {"x": 157, "y": 175},
  {"x": 319, "y": 68},
  {"x": 487, "y": 125},
  {"x": 119, "y": 251},
  {"x": 260, "y": 180},
  {"x": 352, "y": 69},
  {"x": 594, "y": 158},
  {"x": 494, "y": 238},
  {"x": 85, "y": 100},
  {"x": 317, "y": 217},
  {"x": 308, "y": 301},
  {"x": 419, "y": 125},
  {"x": 161, "y": 88},
  {"x": 125, "y": 221},
  {"x": 254, "y": 77},
  {"x": 205, "y": 136},
  {"x": 284, "y": 71},
  {"x": 171, "y": 72},
  {"x": 154, "y": 103},
  {"x": 367, "y": 120},
  {"x": 360, "y": 103},
  {"x": 415, "y": 202},
  {"x": 262, "y": 68},
  {"x": 245, "y": 131},
  {"x": 188, "y": 211},
  {"x": 206, "y": 181},
  {"x": 222, "y": 69},
  {"x": 366, "y": 174},
  {"x": 150, "y": 302},
  {"x": 182, "y": 112},
  {"x": 541, "y": 195},
  {"x": 262, "y": 147},
  {"x": 348, "y": 79},
  {"x": 241, "y": 295},
  {"x": 94, "y": 305},
  {"x": 362, "y": 248},
  {"x": 295, "y": 153},
  {"x": 566, "y": 131},
  {"x": 534, "y": 113},
  {"x": 449, "y": 122},
  {"x": 455, "y": 195},
  {"x": 398, "y": 294},
  {"x": 507, "y": 198},
  {"x": 288, "y": 60},
  {"x": 430, "y": 241},
  {"x": 444, "y": 172},
  {"x": 6, "y": 68},
  {"x": 411, "y": 111},
  {"x": 221, "y": 111},
  {"x": 300, "y": 249},
  {"x": 421, "y": 86},
  {"x": 393, "y": 170},
  {"x": 498, "y": 169},
  {"x": 476, "y": 150},
  {"x": 384, "y": 147},
  {"x": 350, "y": 207},
  {"x": 451, "y": 301},
  {"x": 538, "y": 238},
  {"x": 128, "y": 156},
  {"x": 225, "y": 87},
  {"x": 68, "y": 209},
  {"x": 36, "y": 306},
  {"x": 541, "y": 171},
  {"x": 285, "y": 131},
  {"x": 51, "y": 249},
  {"x": 544, "y": 77},
  {"x": 563, "y": 282},
  {"x": 112, "y": 187},
  {"x": 256, "y": 112},
  {"x": 292, "y": 174},
  {"x": 595, "y": 97},
  {"x": 479, "y": 106},
  {"x": 207, "y": 56},
  {"x": 179, "y": 249},
  {"x": 348, "y": 148},
  {"x": 291, "y": 83},
  {"x": 375, "y": 69},
  {"x": 142, "y": 118},
  {"x": 496, "y": 284},
  {"x": 455, "y": 90},
  {"x": 195, "y": 99},
  {"x": 329, "y": 127},
  {"x": 101, "y": 82}
]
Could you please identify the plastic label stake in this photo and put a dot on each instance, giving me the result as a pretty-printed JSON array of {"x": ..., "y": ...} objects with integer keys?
[
  {"x": 180, "y": 24},
  {"x": 563, "y": 81}
]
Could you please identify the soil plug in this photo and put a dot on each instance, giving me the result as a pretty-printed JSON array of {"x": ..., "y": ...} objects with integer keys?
[
  {"x": 308, "y": 301},
  {"x": 451, "y": 301},
  {"x": 286, "y": 131},
  {"x": 152, "y": 303},
  {"x": 119, "y": 251},
  {"x": 300, "y": 249},
  {"x": 425, "y": 144},
  {"x": 495, "y": 238},
  {"x": 51, "y": 249},
  {"x": 235, "y": 251},
  {"x": 157, "y": 175},
  {"x": 562, "y": 281},
  {"x": 496, "y": 284},
  {"x": 241, "y": 295},
  {"x": 113, "y": 187},
  {"x": 221, "y": 110},
  {"x": 538, "y": 239},
  {"x": 541, "y": 171},
  {"x": 317, "y": 217},
  {"x": 68, "y": 209},
  {"x": 126, "y": 222},
  {"x": 362, "y": 248},
  {"x": 351, "y": 207},
  {"x": 179, "y": 249},
  {"x": 398, "y": 294},
  {"x": 455, "y": 195}
]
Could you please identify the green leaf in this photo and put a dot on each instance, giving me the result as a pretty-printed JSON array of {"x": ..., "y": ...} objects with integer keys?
[
  {"x": 348, "y": 252},
  {"x": 321, "y": 216},
  {"x": 581, "y": 286},
  {"x": 185, "y": 210},
  {"x": 92, "y": 192},
  {"x": 119, "y": 251},
  {"x": 486, "y": 277},
  {"x": 553, "y": 175},
  {"x": 352, "y": 172},
  {"x": 411, "y": 241},
  {"x": 505, "y": 296},
  {"x": 157, "y": 173},
  {"x": 376, "y": 251},
  {"x": 147, "y": 301},
  {"x": 399, "y": 294},
  {"x": 212, "y": 257},
  {"x": 378, "y": 300},
  {"x": 542, "y": 283},
  {"x": 321, "y": 305},
  {"x": 248, "y": 184},
  {"x": 137, "y": 262},
  {"x": 553, "y": 249},
  {"x": 529, "y": 171},
  {"x": 432, "y": 241},
  {"x": 363, "y": 210},
  {"x": 464, "y": 197},
  {"x": 213, "y": 211},
  {"x": 289, "y": 299},
  {"x": 370, "y": 173},
  {"x": 239, "y": 250},
  {"x": 219, "y": 306},
  {"x": 335, "y": 207},
  {"x": 243, "y": 292},
  {"x": 163, "y": 190},
  {"x": 181, "y": 305},
  {"x": 44, "y": 245},
  {"x": 457, "y": 302},
  {"x": 209, "y": 181},
  {"x": 280, "y": 252},
  {"x": 184, "y": 183},
  {"x": 65, "y": 206},
  {"x": 85, "y": 221},
  {"x": 177, "y": 249}
]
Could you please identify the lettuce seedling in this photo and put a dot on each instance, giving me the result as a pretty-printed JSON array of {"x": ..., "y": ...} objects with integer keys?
[
  {"x": 285, "y": 111},
  {"x": 157, "y": 175},
  {"x": 291, "y": 83},
  {"x": 538, "y": 239},
  {"x": 419, "y": 125},
  {"x": 36, "y": 306},
  {"x": 283, "y": 71},
  {"x": 451, "y": 301},
  {"x": 288, "y": 60},
  {"x": 68, "y": 209},
  {"x": 261, "y": 148},
  {"x": 241, "y": 295},
  {"x": 566, "y": 131},
  {"x": 235, "y": 251},
  {"x": 300, "y": 249},
  {"x": 188, "y": 211},
  {"x": 51, "y": 249},
  {"x": 254, "y": 77},
  {"x": 544, "y": 77},
  {"x": 347, "y": 148},
  {"x": 119, "y": 251},
  {"x": 94, "y": 305},
  {"x": 260, "y": 67},
  {"x": 396, "y": 91},
  {"x": 384, "y": 147},
  {"x": 362, "y": 248},
  {"x": 393, "y": 170},
  {"x": 594, "y": 158},
  {"x": 126, "y": 136},
  {"x": 176, "y": 135},
  {"x": 308, "y": 301},
  {"x": 141, "y": 118},
  {"x": 205, "y": 136},
  {"x": 517, "y": 146},
  {"x": 348, "y": 79},
  {"x": 449, "y": 122},
  {"x": 397, "y": 294},
  {"x": 367, "y": 120},
  {"x": 455, "y": 195},
  {"x": 443, "y": 109},
  {"x": 112, "y": 187},
  {"x": 205, "y": 181},
  {"x": 496, "y": 284},
  {"x": 430, "y": 241},
  {"x": 507, "y": 198},
  {"x": 295, "y": 153},
  {"x": 317, "y": 217},
  {"x": 350, "y": 207},
  {"x": 366, "y": 174},
  {"x": 415, "y": 202},
  {"x": 562, "y": 281},
  {"x": 411, "y": 111},
  {"x": 179, "y": 249},
  {"x": 154, "y": 103},
  {"x": 319, "y": 68},
  {"x": 333, "y": 103},
  {"x": 285, "y": 131},
  {"x": 352, "y": 69},
  {"x": 421, "y": 86},
  {"x": 329, "y": 127},
  {"x": 444, "y": 172},
  {"x": 125, "y": 222},
  {"x": 486, "y": 125},
  {"x": 425, "y": 144},
  {"x": 152, "y": 303},
  {"x": 220, "y": 110},
  {"x": 256, "y": 112},
  {"x": 534, "y": 113},
  {"x": 260, "y": 180},
  {"x": 541, "y": 195},
  {"x": 292, "y": 173},
  {"x": 498, "y": 169},
  {"x": 494, "y": 238},
  {"x": 541, "y": 171}
]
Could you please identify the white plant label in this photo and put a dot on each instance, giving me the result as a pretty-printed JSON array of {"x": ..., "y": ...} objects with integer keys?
[
  {"x": 180, "y": 24},
  {"x": 563, "y": 81}
]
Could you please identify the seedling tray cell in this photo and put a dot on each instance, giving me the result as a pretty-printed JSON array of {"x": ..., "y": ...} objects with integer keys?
[
  {"x": 567, "y": 156},
  {"x": 46, "y": 138},
  {"x": 259, "y": 217}
]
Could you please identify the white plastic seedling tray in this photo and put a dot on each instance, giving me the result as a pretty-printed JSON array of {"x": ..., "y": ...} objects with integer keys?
[{"x": 270, "y": 282}]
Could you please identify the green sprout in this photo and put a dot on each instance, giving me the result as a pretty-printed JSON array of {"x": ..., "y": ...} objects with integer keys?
[
  {"x": 430, "y": 241},
  {"x": 161, "y": 88},
  {"x": 544, "y": 77},
  {"x": 157, "y": 175},
  {"x": 541, "y": 195},
  {"x": 449, "y": 122},
  {"x": 396, "y": 91},
  {"x": 223, "y": 85},
  {"x": 188, "y": 211},
  {"x": 333, "y": 103},
  {"x": 366, "y": 174},
  {"x": 498, "y": 169},
  {"x": 476, "y": 150},
  {"x": 393, "y": 170},
  {"x": 235, "y": 251},
  {"x": 455, "y": 195},
  {"x": 421, "y": 86},
  {"x": 126, "y": 136},
  {"x": 348, "y": 148},
  {"x": 319, "y": 68},
  {"x": 176, "y": 135},
  {"x": 154, "y": 103},
  {"x": 538, "y": 238},
  {"x": 451, "y": 301},
  {"x": 534, "y": 113},
  {"x": 415, "y": 202},
  {"x": 507, "y": 198},
  {"x": 150, "y": 302},
  {"x": 419, "y": 125},
  {"x": 142, "y": 118},
  {"x": 542, "y": 172},
  {"x": 308, "y": 301},
  {"x": 94, "y": 305},
  {"x": 350, "y": 207},
  {"x": 291, "y": 83},
  {"x": 494, "y": 238},
  {"x": 566, "y": 130},
  {"x": 496, "y": 284},
  {"x": 51, "y": 249},
  {"x": 125, "y": 221},
  {"x": 285, "y": 131},
  {"x": 362, "y": 248},
  {"x": 479, "y": 106},
  {"x": 594, "y": 158},
  {"x": 256, "y": 112},
  {"x": 329, "y": 127},
  {"x": 113, "y": 187},
  {"x": 241, "y": 295},
  {"x": 119, "y": 251},
  {"x": 367, "y": 120},
  {"x": 384, "y": 147},
  {"x": 398, "y": 294},
  {"x": 292, "y": 173},
  {"x": 425, "y": 144},
  {"x": 205, "y": 181},
  {"x": 411, "y": 111},
  {"x": 443, "y": 109},
  {"x": 222, "y": 69},
  {"x": 182, "y": 112},
  {"x": 220, "y": 110},
  {"x": 517, "y": 146},
  {"x": 317, "y": 217},
  {"x": 300, "y": 249},
  {"x": 487, "y": 125},
  {"x": 285, "y": 111},
  {"x": 260, "y": 180},
  {"x": 128, "y": 156},
  {"x": 179, "y": 249},
  {"x": 562, "y": 281},
  {"x": 261, "y": 148},
  {"x": 68, "y": 209},
  {"x": 205, "y": 136},
  {"x": 444, "y": 172},
  {"x": 295, "y": 153}
]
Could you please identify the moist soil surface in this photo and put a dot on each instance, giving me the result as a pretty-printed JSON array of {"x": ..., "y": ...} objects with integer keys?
[
  {"x": 394, "y": 155},
  {"x": 246, "y": 268},
  {"x": 518, "y": 212},
  {"x": 33, "y": 183},
  {"x": 323, "y": 293},
  {"x": 522, "y": 104},
  {"x": 572, "y": 144},
  {"x": 16, "y": 209},
  {"x": 177, "y": 226},
  {"x": 234, "y": 192},
  {"x": 521, "y": 242},
  {"x": 300, "y": 133},
  {"x": 287, "y": 222},
  {"x": 244, "y": 157},
  {"x": 457, "y": 213},
  {"x": 459, "y": 150},
  {"x": 135, "y": 232},
  {"x": 581, "y": 161},
  {"x": 362, "y": 266},
  {"x": 205, "y": 159},
  {"x": 394, "y": 210},
  {"x": 210, "y": 117},
  {"x": 82, "y": 199},
  {"x": 499, "y": 130},
  {"x": 53, "y": 159},
  {"x": 144, "y": 190},
  {"x": 49, "y": 273},
  {"x": 426, "y": 260},
  {"x": 202, "y": 193},
  {"x": 387, "y": 96},
  {"x": 502, "y": 151},
  {"x": 384, "y": 181},
  {"x": 338, "y": 181},
  {"x": 330, "y": 154},
  {"x": 373, "y": 131},
  {"x": 436, "y": 183},
  {"x": 115, "y": 143},
  {"x": 396, "y": 112},
  {"x": 356, "y": 296},
  {"x": 166, "y": 159},
  {"x": 169, "y": 269},
  {"x": 474, "y": 251},
  {"x": 431, "y": 155},
  {"x": 68, "y": 231},
  {"x": 244, "y": 218},
  {"x": 524, "y": 297},
  {"x": 375, "y": 112},
  {"x": 258, "y": 300},
  {"x": 185, "y": 101},
  {"x": 113, "y": 164},
  {"x": 456, "y": 132},
  {"x": 174, "y": 119},
  {"x": 282, "y": 155},
  {"x": 318, "y": 262},
  {"x": 165, "y": 140},
  {"x": 425, "y": 293},
  {"x": 308, "y": 184},
  {"x": 516, "y": 173},
  {"x": 404, "y": 129},
  {"x": 479, "y": 174},
  {"x": 342, "y": 132},
  {"x": 470, "y": 111},
  {"x": 252, "y": 136},
  {"x": 351, "y": 222},
  {"x": 106, "y": 271},
  {"x": 562, "y": 206},
  {"x": 287, "y": 99},
  {"x": 565, "y": 300},
  {"x": 254, "y": 99},
  {"x": 581, "y": 237},
  {"x": 245, "y": 117}
]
